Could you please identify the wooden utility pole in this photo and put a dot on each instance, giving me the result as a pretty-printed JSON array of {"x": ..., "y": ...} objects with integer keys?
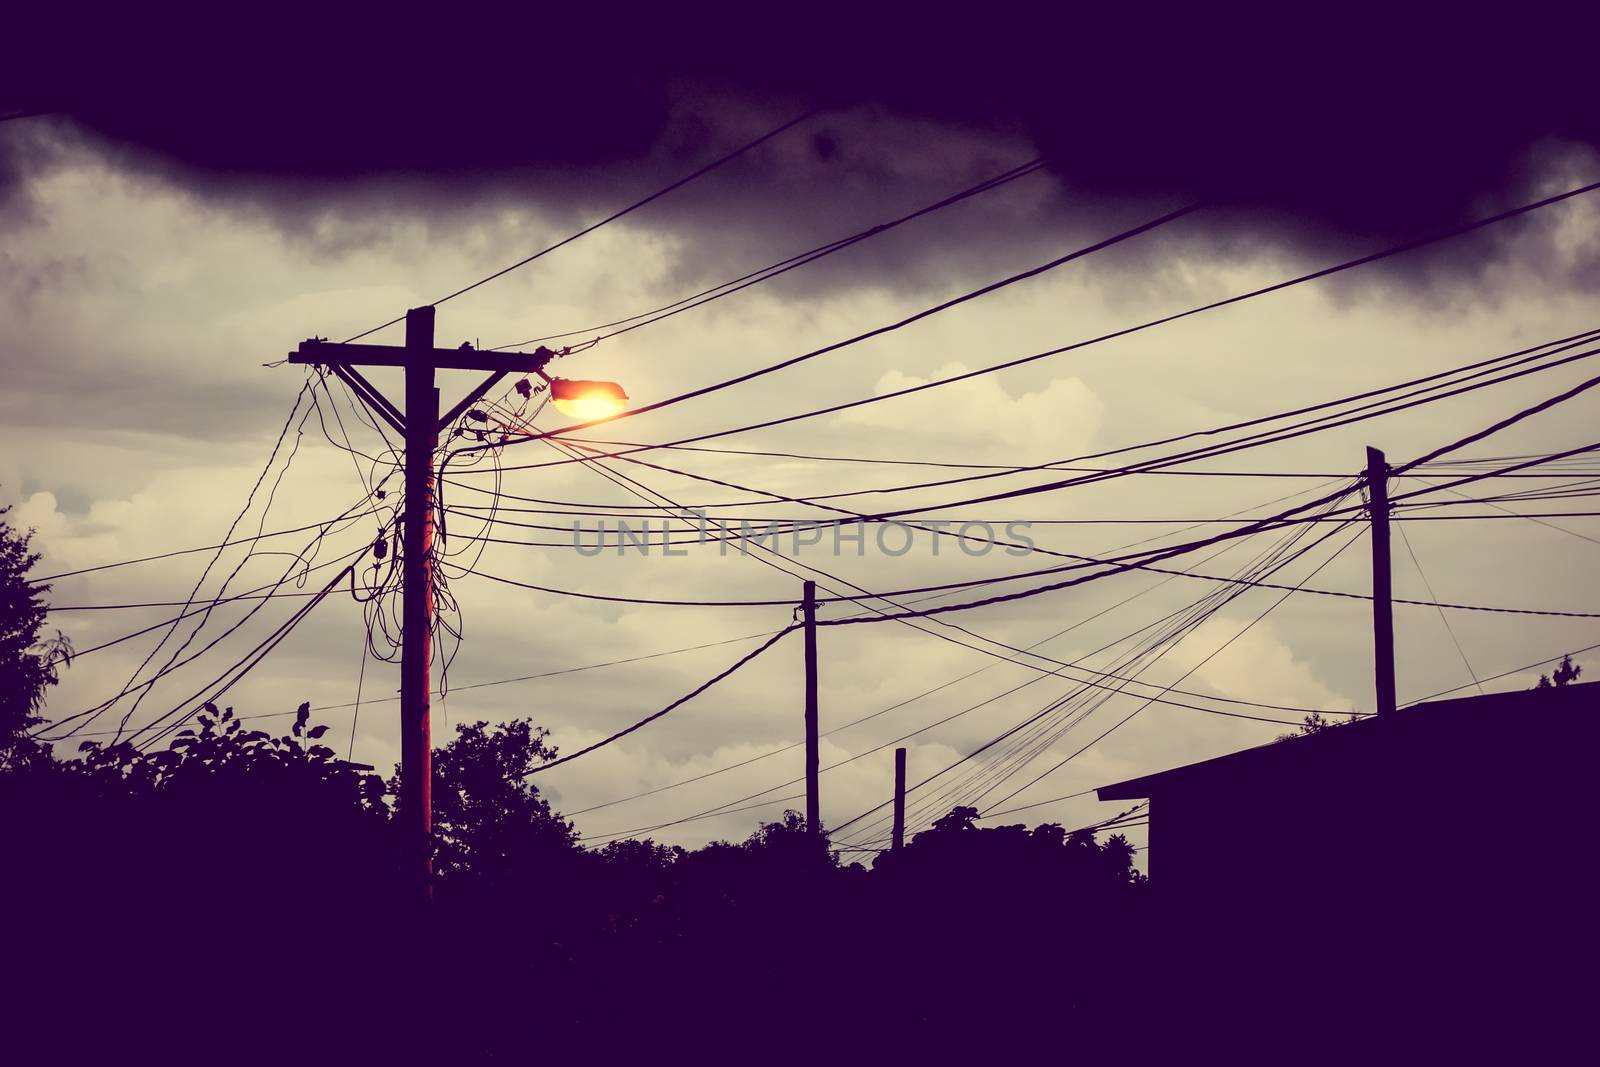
[
  {"x": 899, "y": 799},
  {"x": 416, "y": 583},
  {"x": 419, "y": 424},
  {"x": 1382, "y": 607},
  {"x": 813, "y": 800}
]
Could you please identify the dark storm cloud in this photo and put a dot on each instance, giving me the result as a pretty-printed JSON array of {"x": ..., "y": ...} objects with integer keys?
[{"x": 1321, "y": 138}]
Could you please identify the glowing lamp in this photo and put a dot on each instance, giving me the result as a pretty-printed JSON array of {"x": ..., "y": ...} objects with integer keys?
[{"x": 587, "y": 400}]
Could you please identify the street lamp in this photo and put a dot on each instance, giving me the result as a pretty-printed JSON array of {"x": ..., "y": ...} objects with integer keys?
[{"x": 585, "y": 400}]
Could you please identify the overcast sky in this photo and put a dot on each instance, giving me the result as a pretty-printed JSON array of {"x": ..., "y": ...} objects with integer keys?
[{"x": 153, "y": 264}]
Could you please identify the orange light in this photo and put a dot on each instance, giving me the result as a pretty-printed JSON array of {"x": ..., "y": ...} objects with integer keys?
[{"x": 587, "y": 400}]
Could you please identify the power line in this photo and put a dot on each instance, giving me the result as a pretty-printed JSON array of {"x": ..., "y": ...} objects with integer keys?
[
  {"x": 1119, "y": 567},
  {"x": 796, "y": 744},
  {"x": 948, "y": 465},
  {"x": 1042, "y": 730},
  {"x": 1183, "y": 457},
  {"x": 497, "y": 681},
  {"x": 1420, "y": 397},
  {"x": 189, "y": 551},
  {"x": 198, "y": 604},
  {"x": 1081, "y": 686},
  {"x": 879, "y": 331},
  {"x": 887, "y": 461},
  {"x": 239, "y": 671},
  {"x": 614, "y": 216},
  {"x": 1503, "y": 423},
  {"x": 1468, "y": 371},
  {"x": 205, "y": 616},
  {"x": 355, "y": 717},
  {"x": 631, "y": 481},
  {"x": 1198, "y": 613},
  {"x": 1263, "y": 291},
  {"x": 858, "y": 516},
  {"x": 77, "y": 653},
  {"x": 1022, "y": 755},
  {"x": 783, "y": 266},
  {"x": 1036, "y": 804},
  {"x": 1451, "y": 630},
  {"x": 721, "y": 809},
  {"x": 628, "y": 539},
  {"x": 1502, "y": 674},
  {"x": 1116, "y": 563},
  {"x": 1209, "y": 657},
  {"x": 263, "y": 648},
  {"x": 1534, "y": 517},
  {"x": 1247, "y": 530},
  {"x": 696, "y": 691},
  {"x": 1508, "y": 421},
  {"x": 174, "y": 662},
  {"x": 1029, "y": 650}
]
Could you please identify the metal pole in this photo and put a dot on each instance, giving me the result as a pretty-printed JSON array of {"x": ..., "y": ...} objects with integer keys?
[
  {"x": 1382, "y": 608},
  {"x": 416, "y": 655}
]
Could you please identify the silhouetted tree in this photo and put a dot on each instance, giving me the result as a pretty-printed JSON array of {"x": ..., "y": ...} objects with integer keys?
[
  {"x": 28, "y": 664},
  {"x": 969, "y": 899},
  {"x": 1564, "y": 675},
  {"x": 1047, "y": 854},
  {"x": 788, "y": 842},
  {"x": 1314, "y": 723},
  {"x": 640, "y": 855},
  {"x": 244, "y": 813},
  {"x": 216, "y": 867},
  {"x": 490, "y": 821},
  {"x": 219, "y": 752},
  {"x": 242, "y": 851}
]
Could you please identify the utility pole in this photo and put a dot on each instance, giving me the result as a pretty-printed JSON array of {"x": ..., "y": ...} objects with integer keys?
[
  {"x": 813, "y": 800},
  {"x": 899, "y": 800},
  {"x": 416, "y": 583},
  {"x": 419, "y": 425},
  {"x": 1382, "y": 607}
]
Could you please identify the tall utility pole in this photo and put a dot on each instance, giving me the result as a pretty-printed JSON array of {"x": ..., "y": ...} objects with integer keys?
[
  {"x": 1382, "y": 607},
  {"x": 899, "y": 839},
  {"x": 813, "y": 801},
  {"x": 419, "y": 424},
  {"x": 416, "y": 583}
]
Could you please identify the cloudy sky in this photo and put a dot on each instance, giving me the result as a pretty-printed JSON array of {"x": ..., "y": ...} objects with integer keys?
[{"x": 168, "y": 241}]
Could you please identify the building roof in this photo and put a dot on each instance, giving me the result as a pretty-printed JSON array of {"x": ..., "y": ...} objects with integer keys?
[{"x": 1440, "y": 732}]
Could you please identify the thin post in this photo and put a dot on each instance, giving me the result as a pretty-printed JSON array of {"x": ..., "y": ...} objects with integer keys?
[
  {"x": 899, "y": 799},
  {"x": 813, "y": 800},
  {"x": 1382, "y": 607},
  {"x": 416, "y": 655}
]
